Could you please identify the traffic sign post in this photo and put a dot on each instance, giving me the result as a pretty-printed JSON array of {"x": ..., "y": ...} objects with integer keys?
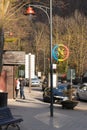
[{"x": 71, "y": 74}]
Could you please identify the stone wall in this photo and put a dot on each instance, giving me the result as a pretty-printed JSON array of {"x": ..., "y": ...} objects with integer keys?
[{"x": 10, "y": 81}]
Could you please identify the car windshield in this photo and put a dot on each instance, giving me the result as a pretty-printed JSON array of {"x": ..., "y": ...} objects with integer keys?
[
  {"x": 62, "y": 85},
  {"x": 83, "y": 87},
  {"x": 34, "y": 79}
]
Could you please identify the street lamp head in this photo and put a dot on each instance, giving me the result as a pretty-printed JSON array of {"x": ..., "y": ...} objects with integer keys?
[{"x": 30, "y": 11}]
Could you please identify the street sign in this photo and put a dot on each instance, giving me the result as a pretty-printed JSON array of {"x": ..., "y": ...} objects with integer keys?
[{"x": 71, "y": 75}]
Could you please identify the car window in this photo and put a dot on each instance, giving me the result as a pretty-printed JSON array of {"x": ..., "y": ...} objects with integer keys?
[
  {"x": 62, "y": 88},
  {"x": 83, "y": 87},
  {"x": 34, "y": 79}
]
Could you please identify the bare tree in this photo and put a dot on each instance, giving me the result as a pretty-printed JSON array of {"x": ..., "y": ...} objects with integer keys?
[{"x": 4, "y": 5}]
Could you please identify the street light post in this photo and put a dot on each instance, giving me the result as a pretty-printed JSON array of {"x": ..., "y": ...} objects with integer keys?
[
  {"x": 49, "y": 16},
  {"x": 51, "y": 66}
]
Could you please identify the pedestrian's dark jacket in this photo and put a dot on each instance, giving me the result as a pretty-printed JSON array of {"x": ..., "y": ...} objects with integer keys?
[{"x": 22, "y": 83}]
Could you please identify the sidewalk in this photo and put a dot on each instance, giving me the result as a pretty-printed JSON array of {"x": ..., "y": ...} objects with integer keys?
[{"x": 36, "y": 114}]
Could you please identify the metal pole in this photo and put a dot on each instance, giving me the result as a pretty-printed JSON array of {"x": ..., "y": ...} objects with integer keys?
[
  {"x": 51, "y": 67},
  {"x": 29, "y": 72},
  {"x": 71, "y": 85},
  {"x": 44, "y": 60}
]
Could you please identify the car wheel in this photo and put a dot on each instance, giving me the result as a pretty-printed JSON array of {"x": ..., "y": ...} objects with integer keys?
[
  {"x": 46, "y": 95},
  {"x": 46, "y": 99}
]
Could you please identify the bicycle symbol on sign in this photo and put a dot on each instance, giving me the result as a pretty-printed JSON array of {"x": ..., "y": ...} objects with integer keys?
[{"x": 60, "y": 52}]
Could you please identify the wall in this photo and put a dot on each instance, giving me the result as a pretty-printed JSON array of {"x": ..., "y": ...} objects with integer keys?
[{"x": 10, "y": 80}]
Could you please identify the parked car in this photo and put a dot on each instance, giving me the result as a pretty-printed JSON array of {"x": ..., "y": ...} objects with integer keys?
[
  {"x": 35, "y": 82},
  {"x": 81, "y": 93},
  {"x": 76, "y": 81},
  {"x": 58, "y": 93}
]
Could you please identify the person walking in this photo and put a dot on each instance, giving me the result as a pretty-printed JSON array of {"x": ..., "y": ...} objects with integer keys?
[
  {"x": 22, "y": 84},
  {"x": 17, "y": 87}
]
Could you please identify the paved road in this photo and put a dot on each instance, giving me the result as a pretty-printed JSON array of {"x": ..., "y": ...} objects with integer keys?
[{"x": 36, "y": 114}]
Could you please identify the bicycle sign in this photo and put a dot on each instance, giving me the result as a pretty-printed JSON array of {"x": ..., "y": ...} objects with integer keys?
[{"x": 60, "y": 52}]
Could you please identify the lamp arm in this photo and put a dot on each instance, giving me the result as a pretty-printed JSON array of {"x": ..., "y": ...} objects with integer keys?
[{"x": 43, "y": 8}]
